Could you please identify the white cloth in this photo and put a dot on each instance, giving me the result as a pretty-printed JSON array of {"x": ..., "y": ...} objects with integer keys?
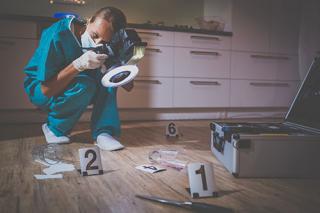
[
  {"x": 51, "y": 138},
  {"x": 107, "y": 142},
  {"x": 43, "y": 177},
  {"x": 59, "y": 167}
]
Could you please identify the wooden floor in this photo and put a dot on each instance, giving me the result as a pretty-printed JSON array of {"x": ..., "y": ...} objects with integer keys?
[{"x": 115, "y": 190}]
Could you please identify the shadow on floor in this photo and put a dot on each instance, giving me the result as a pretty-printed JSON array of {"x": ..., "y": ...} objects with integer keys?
[{"x": 193, "y": 137}]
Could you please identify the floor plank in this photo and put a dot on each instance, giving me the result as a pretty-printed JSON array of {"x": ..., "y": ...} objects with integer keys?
[{"x": 115, "y": 190}]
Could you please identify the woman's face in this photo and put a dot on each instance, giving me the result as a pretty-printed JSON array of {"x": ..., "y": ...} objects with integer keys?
[{"x": 100, "y": 30}]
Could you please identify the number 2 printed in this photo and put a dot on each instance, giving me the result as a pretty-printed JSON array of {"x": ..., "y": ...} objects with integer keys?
[{"x": 93, "y": 159}]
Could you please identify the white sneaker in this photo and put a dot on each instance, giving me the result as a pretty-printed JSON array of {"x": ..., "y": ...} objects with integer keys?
[
  {"x": 51, "y": 138},
  {"x": 107, "y": 142}
]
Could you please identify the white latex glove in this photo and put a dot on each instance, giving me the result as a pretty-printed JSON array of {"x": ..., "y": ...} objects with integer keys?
[{"x": 89, "y": 60}]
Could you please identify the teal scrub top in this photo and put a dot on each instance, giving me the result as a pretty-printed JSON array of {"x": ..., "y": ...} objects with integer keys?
[{"x": 58, "y": 47}]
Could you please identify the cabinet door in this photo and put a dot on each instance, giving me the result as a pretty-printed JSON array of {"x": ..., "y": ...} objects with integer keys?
[
  {"x": 253, "y": 93},
  {"x": 309, "y": 35},
  {"x": 158, "y": 61},
  {"x": 147, "y": 93},
  {"x": 156, "y": 37},
  {"x": 264, "y": 66},
  {"x": 195, "y": 92},
  {"x": 202, "y": 41},
  {"x": 285, "y": 23},
  {"x": 18, "y": 29},
  {"x": 251, "y": 25},
  {"x": 14, "y": 55},
  {"x": 190, "y": 62}
]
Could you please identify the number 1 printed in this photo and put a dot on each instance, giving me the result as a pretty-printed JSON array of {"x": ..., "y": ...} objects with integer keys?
[{"x": 203, "y": 177}]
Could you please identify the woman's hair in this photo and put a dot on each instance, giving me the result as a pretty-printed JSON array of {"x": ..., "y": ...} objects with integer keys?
[{"x": 113, "y": 15}]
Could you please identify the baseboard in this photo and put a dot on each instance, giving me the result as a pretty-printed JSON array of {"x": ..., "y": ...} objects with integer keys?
[{"x": 37, "y": 116}]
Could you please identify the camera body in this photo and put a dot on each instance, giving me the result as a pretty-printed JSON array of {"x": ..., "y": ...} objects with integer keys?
[{"x": 121, "y": 48}]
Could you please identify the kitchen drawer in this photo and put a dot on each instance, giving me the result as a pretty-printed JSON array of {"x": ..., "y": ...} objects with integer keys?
[
  {"x": 202, "y": 41},
  {"x": 195, "y": 92},
  {"x": 246, "y": 65},
  {"x": 191, "y": 62},
  {"x": 18, "y": 29},
  {"x": 14, "y": 54},
  {"x": 252, "y": 93},
  {"x": 158, "y": 61},
  {"x": 147, "y": 93},
  {"x": 156, "y": 37}
]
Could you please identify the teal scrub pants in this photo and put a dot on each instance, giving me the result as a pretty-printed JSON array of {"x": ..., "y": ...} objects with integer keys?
[{"x": 65, "y": 109}]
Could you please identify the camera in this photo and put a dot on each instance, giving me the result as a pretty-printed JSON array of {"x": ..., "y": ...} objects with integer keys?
[{"x": 125, "y": 47}]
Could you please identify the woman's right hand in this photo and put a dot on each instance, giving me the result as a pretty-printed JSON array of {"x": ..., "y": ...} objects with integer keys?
[{"x": 89, "y": 60}]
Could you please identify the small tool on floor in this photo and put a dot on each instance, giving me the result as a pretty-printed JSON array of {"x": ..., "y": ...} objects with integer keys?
[{"x": 194, "y": 206}]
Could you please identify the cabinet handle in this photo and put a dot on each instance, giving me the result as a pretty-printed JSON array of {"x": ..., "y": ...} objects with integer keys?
[
  {"x": 260, "y": 84},
  {"x": 148, "y": 81},
  {"x": 7, "y": 43},
  {"x": 205, "y": 38},
  {"x": 149, "y": 33},
  {"x": 210, "y": 83},
  {"x": 204, "y": 53},
  {"x": 270, "y": 57},
  {"x": 153, "y": 50}
]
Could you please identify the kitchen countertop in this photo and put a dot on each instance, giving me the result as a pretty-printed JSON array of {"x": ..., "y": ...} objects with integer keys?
[{"x": 48, "y": 20}]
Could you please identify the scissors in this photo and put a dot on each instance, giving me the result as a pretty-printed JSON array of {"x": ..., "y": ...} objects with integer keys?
[{"x": 194, "y": 206}]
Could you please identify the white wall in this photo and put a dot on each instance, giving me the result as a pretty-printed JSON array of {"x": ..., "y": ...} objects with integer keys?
[{"x": 137, "y": 11}]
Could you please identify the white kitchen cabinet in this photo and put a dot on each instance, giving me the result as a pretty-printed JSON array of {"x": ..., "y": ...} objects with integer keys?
[
  {"x": 156, "y": 37},
  {"x": 270, "y": 26},
  {"x": 249, "y": 65},
  {"x": 14, "y": 54},
  {"x": 202, "y": 41},
  {"x": 18, "y": 29},
  {"x": 152, "y": 92},
  {"x": 201, "y": 92},
  {"x": 309, "y": 35},
  {"x": 258, "y": 93},
  {"x": 192, "y": 62},
  {"x": 251, "y": 25},
  {"x": 157, "y": 61},
  {"x": 285, "y": 21}
]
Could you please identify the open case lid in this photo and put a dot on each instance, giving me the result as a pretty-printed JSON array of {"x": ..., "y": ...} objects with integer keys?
[{"x": 305, "y": 108}]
